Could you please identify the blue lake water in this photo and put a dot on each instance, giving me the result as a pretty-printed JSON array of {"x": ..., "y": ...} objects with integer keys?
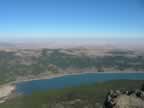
[{"x": 73, "y": 80}]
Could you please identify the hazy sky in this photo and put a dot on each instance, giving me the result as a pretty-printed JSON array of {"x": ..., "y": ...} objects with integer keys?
[{"x": 21, "y": 19}]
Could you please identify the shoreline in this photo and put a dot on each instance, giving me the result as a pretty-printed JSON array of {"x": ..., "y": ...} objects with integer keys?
[{"x": 58, "y": 75}]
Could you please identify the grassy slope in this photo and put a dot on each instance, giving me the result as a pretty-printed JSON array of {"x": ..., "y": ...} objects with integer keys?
[{"x": 88, "y": 94}]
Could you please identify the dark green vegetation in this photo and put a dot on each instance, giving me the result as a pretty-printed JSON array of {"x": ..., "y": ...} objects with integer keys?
[
  {"x": 23, "y": 63},
  {"x": 85, "y": 96}
]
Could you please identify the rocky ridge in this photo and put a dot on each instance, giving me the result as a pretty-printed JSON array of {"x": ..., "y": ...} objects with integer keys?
[{"x": 125, "y": 99}]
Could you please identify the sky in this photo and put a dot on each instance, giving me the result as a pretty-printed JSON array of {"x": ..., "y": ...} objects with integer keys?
[{"x": 37, "y": 19}]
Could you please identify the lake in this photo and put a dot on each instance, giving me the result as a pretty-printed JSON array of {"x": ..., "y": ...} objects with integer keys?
[{"x": 73, "y": 81}]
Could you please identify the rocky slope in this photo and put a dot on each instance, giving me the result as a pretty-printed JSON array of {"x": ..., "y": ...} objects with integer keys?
[
  {"x": 5, "y": 91},
  {"x": 125, "y": 99}
]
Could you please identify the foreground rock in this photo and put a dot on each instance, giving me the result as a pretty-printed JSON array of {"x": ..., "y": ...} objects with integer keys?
[{"x": 125, "y": 99}]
